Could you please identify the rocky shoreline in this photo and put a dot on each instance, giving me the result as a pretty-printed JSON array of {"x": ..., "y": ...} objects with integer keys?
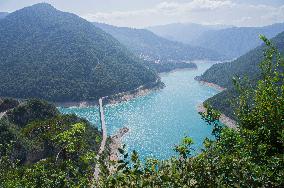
[
  {"x": 116, "y": 144},
  {"x": 138, "y": 92},
  {"x": 117, "y": 98},
  {"x": 223, "y": 118},
  {"x": 176, "y": 70},
  {"x": 212, "y": 85}
]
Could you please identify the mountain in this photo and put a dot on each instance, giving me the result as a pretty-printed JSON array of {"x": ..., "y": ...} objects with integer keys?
[
  {"x": 183, "y": 32},
  {"x": 245, "y": 66},
  {"x": 58, "y": 56},
  {"x": 236, "y": 41},
  {"x": 149, "y": 46},
  {"x": 3, "y": 14}
]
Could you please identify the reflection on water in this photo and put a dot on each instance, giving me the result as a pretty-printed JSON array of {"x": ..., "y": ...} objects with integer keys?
[{"x": 159, "y": 120}]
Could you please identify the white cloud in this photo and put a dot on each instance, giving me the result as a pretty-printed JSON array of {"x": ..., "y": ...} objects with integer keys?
[{"x": 197, "y": 11}]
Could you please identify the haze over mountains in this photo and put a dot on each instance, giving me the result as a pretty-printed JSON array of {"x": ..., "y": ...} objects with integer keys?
[
  {"x": 149, "y": 46},
  {"x": 58, "y": 56},
  {"x": 184, "y": 32},
  {"x": 3, "y": 14},
  {"x": 232, "y": 41}
]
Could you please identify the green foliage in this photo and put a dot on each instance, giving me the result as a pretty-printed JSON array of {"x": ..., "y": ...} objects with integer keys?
[
  {"x": 211, "y": 117},
  {"x": 58, "y": 56},
  {"x": 30, "y": 111},
  {"x": 70, "y": 139},
  {"x": 184, "y": 148},
  {"x": 57, "y": 151},
  {"x": 63, "y": 137}
]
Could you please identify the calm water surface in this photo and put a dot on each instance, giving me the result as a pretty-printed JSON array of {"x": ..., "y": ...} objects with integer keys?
[{"x": 161, "y": 119}]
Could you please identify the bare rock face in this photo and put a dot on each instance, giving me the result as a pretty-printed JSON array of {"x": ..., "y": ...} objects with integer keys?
[
  {"x": 116, "y": 143},
  {"x": 121, "y": 132}
]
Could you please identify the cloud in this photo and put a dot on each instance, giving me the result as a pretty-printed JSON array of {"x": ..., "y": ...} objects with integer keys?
[{"x": 197, "y": 11}]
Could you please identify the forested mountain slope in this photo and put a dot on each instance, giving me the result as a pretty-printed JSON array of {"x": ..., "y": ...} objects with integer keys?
[
  {"x": 245, "y": 66},
  {"x": 147, "y": 45},
  {"x": 58, "y": 56},
  {"x": 236, "y": 41}
]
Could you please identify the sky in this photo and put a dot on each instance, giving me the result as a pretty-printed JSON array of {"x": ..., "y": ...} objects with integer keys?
[{"x": 144, "y": 13}]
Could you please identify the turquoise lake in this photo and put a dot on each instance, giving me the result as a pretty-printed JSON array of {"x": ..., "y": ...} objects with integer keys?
[{"x": 158, "y": 121}]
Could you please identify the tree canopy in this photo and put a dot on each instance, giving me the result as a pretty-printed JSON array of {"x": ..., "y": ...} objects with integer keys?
[{"x": 58, "y": 56}]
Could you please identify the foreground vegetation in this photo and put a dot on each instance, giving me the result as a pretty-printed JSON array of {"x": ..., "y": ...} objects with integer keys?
[{"x": 252, "y": 156}]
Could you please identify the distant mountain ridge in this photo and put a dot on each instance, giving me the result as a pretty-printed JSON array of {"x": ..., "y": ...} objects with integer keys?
[
  {"x": 228, "y": 40},
  {"x": 58, "y": 56},
  {"x": 184, "y": 32},
  {"x": 246, "y": 65},
  {"x": 236, "y": 41},
  {"x": 147, "y": 45}
]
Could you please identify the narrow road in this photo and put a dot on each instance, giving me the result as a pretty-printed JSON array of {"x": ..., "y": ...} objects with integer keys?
[
  {"x": 103, "y": 126},
  {"x": 103, "y": 143}
]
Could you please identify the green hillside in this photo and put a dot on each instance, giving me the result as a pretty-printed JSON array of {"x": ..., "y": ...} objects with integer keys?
[
  {"x": 247, "y": 65},
  {"x": 34, "y": 128},
  {"x": 58, "y": 56}
]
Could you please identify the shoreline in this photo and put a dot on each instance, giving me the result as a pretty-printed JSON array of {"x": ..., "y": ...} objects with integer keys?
[
  {"x": 223, "y": 118},
  {"x": 177, "y": 70},
  {"x": 212, "y": 85},
  {"x": 129, "y": 95},
  {"x": 116, "y": 144},
  {"x": 116, "y": 98}
]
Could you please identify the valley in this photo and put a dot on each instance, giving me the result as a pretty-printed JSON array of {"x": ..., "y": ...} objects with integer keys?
[
  {"x": 154, "y": 118},
  {"x": 141, "y": 94}
]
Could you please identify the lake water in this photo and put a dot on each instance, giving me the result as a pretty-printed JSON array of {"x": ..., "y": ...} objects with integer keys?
[{"x": 159, "y": 121}]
